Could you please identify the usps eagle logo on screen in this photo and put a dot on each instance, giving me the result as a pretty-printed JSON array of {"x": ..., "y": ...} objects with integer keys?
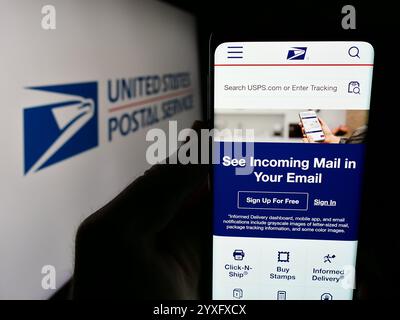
[
  {"x": 59, "y": 130},
  {"x": 297, "y": 53}
]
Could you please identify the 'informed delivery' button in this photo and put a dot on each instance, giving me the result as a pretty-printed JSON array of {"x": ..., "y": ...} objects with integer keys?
[{"x": 265, "y": 200}]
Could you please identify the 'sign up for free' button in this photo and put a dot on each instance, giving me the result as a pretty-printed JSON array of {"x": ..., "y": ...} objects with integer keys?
[{"x": 266, "y": 200}]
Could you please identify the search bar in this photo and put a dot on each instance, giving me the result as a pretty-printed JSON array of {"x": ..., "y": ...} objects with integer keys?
[{"x": 276, "y": 86}]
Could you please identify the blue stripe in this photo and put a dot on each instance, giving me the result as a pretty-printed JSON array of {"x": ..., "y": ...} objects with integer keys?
[
  {"x": 313, "y": 131},
  {"x": 309, "y": 117}
]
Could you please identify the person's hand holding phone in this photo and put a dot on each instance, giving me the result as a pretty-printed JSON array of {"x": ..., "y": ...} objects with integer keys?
[{"x": 329, "y": 136}]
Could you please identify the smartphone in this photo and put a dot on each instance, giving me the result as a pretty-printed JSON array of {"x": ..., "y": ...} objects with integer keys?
[
  {"x": 286, "y": 212},
  {"x": 311, "y": 125}
]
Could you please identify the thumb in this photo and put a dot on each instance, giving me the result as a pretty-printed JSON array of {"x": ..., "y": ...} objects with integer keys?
[{"x": 324, "y": 126}]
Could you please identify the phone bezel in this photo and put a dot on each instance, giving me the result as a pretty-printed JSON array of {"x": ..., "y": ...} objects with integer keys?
[{"x": 215, "y": 40}]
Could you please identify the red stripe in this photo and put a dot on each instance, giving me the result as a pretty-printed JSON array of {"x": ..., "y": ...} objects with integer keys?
[
  {"x": 150, "y": 100},
  {"x": 296, "y": 65}
]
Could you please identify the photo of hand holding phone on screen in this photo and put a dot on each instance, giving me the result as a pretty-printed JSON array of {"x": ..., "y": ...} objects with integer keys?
[
  {"x": 321, "y": 133},
  {"x": 315, "y": 129}
]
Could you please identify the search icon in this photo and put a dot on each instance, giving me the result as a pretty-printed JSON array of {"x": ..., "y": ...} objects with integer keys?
[{"x": 354, "y": 52}]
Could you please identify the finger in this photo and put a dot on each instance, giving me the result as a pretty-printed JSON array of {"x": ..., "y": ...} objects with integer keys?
[
  {"x": 323, "y": 123},
  {"x": 302, "y": 130},
  {"x": 325, "y": 128}
]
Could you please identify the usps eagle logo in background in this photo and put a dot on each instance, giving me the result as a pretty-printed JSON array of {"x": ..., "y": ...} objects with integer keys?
[{"x": 57, "y": 131}]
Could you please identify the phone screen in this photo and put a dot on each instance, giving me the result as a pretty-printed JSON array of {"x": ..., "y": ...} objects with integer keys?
[
  {"x": 286, "y": 208},
  {"x": 312, "y": 127}
]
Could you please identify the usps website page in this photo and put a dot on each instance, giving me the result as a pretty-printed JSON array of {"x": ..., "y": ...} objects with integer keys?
[{"x": 286, "y": 207}]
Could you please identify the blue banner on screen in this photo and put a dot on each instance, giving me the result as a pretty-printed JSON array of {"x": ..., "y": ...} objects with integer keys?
[{"x": 302, "y": 191}]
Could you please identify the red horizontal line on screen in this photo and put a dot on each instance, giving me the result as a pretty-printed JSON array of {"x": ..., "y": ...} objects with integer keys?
[{"x": 294, "y": 65}]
